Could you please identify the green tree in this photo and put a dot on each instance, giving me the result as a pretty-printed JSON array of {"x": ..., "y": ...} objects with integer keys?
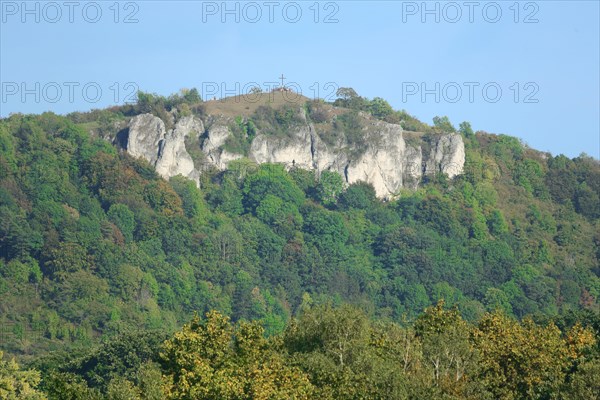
[
  {"x": 193, "y": 203},
  {"x": 496, "y": 223},
  {"x": 16, "y": 384},
  {"x": 270, "y": 179},
  {"x": 446, "y": 346},
  {"x": 465, "y": 129},
  {"x": 512, "y": 365},
  {"x": 359, "y": 195},
  {"x": 150, "y": 381},
  {"x": 65, "y": 385},
  {"x": 191, "y": 95},
  {"x": 496, "y": 300},
  {"x": 380, "y": 108},
  {"x": 584, "y": 384},
  {"x": 329, "y": 187},
  {"x": 65, "y": 258},
  {"x": 346, "y": 94},
  {"x": 163, "y": 199},
  {"x": 340, "y": 333},
  {"x": 122, "y": 389},
  {"x": 347, "y": 97},
  {"x": 443, "y": 124},
  {"x": 212, "y": 359},
  {"x": 284, "y": 217},
  {"x": 123, "y": 218}
]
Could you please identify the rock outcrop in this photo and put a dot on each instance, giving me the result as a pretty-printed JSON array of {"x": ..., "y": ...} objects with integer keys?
[
  {"x": 386, "y": 160},
  {"x": 447, "y": 156},
  {"x": 146, "y": 132},
  {"x": 217, "y": 133},
  {"x": 173, "y": 158},
  {"x": 166, "y": 151}
]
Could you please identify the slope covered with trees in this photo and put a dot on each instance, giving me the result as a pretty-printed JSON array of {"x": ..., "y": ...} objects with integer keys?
[
  {"x": 327, "y": 353},
  {"x": 93, "y": 242}
]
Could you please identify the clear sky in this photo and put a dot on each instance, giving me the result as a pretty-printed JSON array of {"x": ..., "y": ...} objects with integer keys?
[{"x": 527, "y": 69}]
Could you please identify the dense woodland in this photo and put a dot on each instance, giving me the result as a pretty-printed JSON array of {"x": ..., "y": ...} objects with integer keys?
[{"x": 302, "y": 288}]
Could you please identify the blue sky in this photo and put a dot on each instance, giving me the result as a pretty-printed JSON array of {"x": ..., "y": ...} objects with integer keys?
[{"x": 527, "y": 69}]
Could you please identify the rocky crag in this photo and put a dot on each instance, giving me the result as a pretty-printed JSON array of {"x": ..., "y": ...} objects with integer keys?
[{"x": 387, "y": 159}]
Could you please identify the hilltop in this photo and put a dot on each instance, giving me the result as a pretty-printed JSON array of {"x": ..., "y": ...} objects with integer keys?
[{"x": 310, "y": 135}]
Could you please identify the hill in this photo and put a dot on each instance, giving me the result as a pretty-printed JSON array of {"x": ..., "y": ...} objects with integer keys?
[{"x": 94, "y": 242}]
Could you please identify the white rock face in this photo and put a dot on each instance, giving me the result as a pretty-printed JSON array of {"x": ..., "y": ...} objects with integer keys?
[
  {"x": 165, "y": 151},
  {"x": 412, "y": 168},
  {"x": 382, "y": 164},
  {"x": 297, "y": 150},
  {"x": 218, "y": 132},
  {"x": 145, "y": 134},
  {"x": 226, "y": 158},
  {"x": 173, "y": 158},
  {"x": 217, "y": 135},
  {"x": 447, "y": 156},
  {"x": 388, "y": 162}
]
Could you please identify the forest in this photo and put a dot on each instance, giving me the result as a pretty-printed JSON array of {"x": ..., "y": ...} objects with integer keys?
[{"x": 267, "y": 283}]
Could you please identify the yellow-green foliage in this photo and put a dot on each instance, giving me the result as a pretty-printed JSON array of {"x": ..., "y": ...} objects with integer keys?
[{"x": 18, "y": 384}]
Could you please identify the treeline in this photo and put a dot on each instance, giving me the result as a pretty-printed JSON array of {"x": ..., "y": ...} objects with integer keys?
[
  {"x": 327, "y": 353},
  {"x": 93, "y": 242}
]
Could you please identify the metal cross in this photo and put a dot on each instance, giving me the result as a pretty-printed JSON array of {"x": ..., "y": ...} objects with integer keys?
[{"x": 282, "y": 78}]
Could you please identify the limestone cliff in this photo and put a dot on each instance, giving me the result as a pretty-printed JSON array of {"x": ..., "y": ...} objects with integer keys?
[
  {"x": 386, "y": 159},
  {"x": 166, "y": 151}
]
